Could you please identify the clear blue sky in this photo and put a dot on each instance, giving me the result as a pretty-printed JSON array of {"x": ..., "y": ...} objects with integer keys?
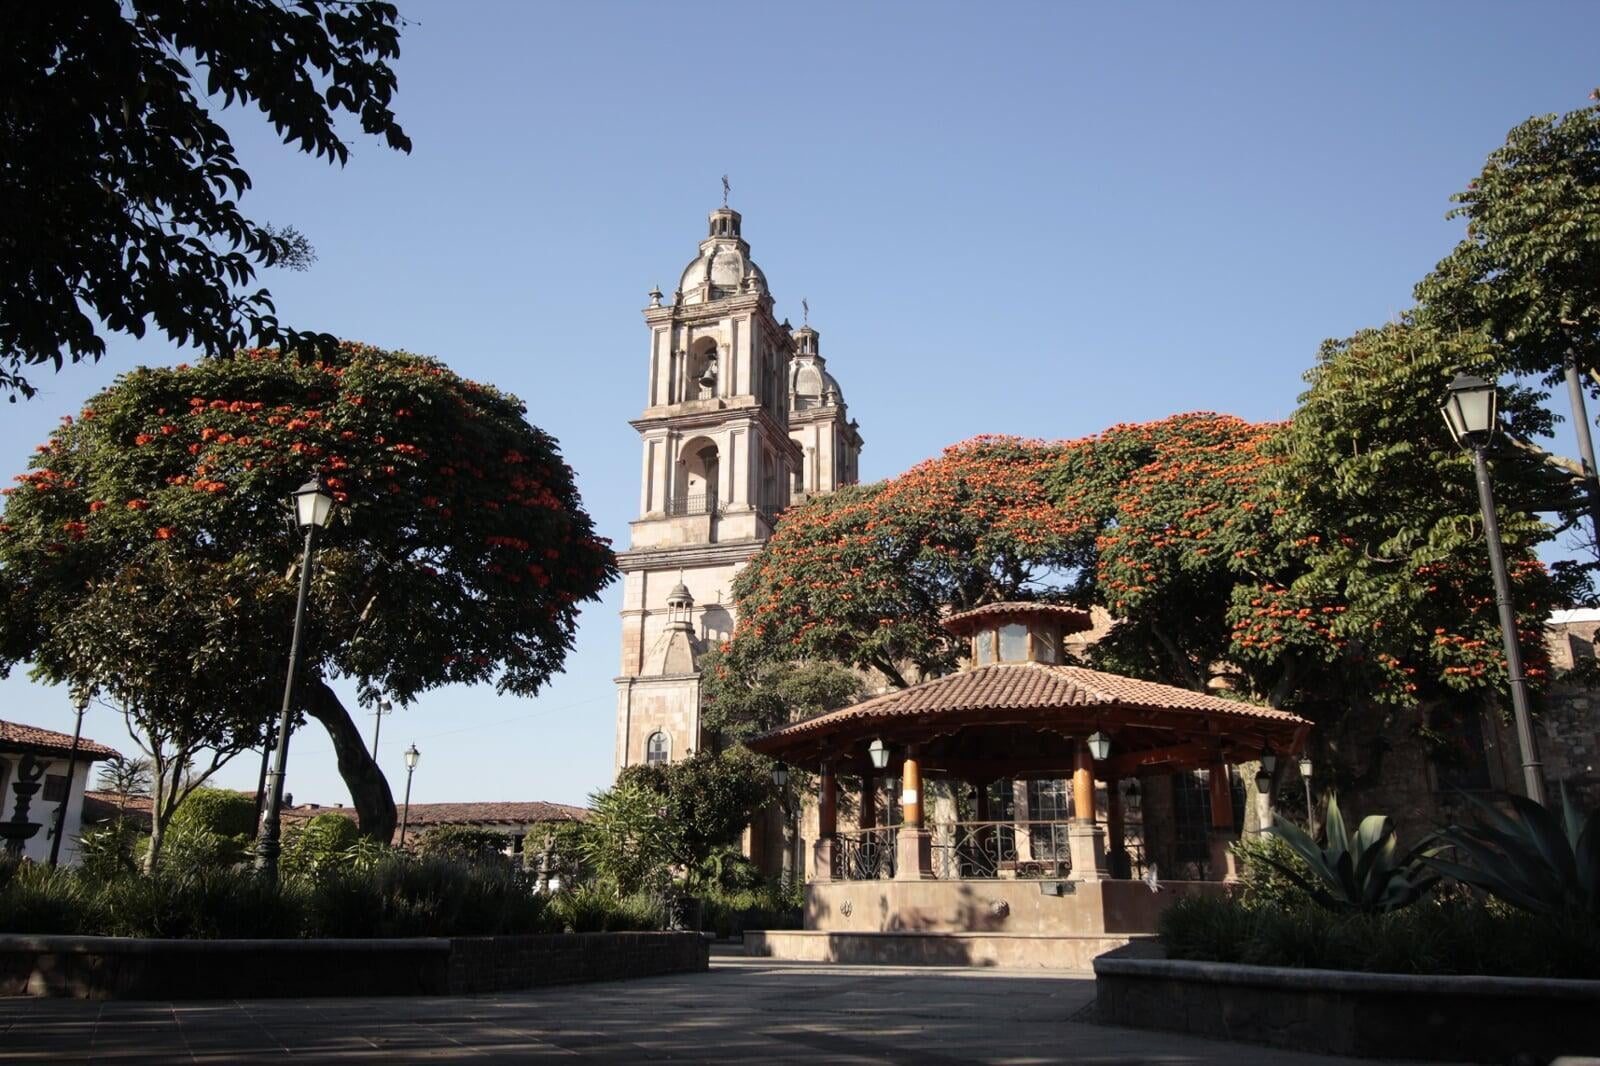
[{"x": 1037, "y": 219}]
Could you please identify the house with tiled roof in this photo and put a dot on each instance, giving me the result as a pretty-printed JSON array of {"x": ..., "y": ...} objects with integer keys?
[
  {"x": 42, "y": 778},
  {"x": 514, "y": 820}
]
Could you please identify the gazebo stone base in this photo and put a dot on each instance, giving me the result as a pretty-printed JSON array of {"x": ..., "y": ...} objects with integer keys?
[
  {"x": 1000, "y": 950},
  {"x": 1032, "y": 908}
]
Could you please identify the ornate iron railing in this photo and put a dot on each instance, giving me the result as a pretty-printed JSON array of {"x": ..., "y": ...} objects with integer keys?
[
  {"x": 971, "y": 851},
  {"x": 705, "y": 503},
  {"x": 864, "y": 854}
]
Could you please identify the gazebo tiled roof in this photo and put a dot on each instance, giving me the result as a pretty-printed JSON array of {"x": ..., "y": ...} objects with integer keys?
[
  {"x": 1154, "y": 722},
  {"x": 1071, "y": 619}
]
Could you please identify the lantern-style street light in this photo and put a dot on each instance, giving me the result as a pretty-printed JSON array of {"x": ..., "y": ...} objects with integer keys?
[
  {"x": 1305, "y": 776},
  {"x": 313, "y": 506},
  {"x": 780, "y": 774},
  {"x": 384, "y": 707},
  {"x": 412, "y": 755},
  {"x": 1470, "y": 410},
  {"x": 80, "y": 704},
  {"x": 1099, "y": 745},
  {"x": 878, "y": 752}
]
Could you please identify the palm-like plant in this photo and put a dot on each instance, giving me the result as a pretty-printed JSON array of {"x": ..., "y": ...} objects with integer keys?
[
  {"x": 1529, "y": 858},
  {"x": 1364, "y": 872}
]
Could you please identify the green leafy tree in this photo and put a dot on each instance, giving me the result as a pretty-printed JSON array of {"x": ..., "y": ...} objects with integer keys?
[
  {"x": 119, "y": 200},
  {"x": 708, "y": 799},
  {"x": 126, "y": 777},
  {"x": 742, "y": 698},
  {"x": 1525, "y": 273},
  {"x": 147, "y": 553},
  {"x": 628, "y": 839},
  {"x": 319, "y": 846}
]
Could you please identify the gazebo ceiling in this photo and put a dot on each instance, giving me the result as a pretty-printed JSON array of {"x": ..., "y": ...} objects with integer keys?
[{"x": 1024, "y": 717}]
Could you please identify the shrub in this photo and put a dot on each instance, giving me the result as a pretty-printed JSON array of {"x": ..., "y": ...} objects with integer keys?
[
  {"x": 766, "y": 905},
  {"x": 1263, "y": 858},
  {"x": 217, "y": 810},
  {"x": 38, "y": 899},
  {"x": 597, "y": 909},
  {"x": 110, "y": 850},
  {"x": 400, "y": 895},
  {"x": 1354, "y": 872},
  {"x": 1456, "y": 934},
  {"x": 555, "y": 850},
  {"x": 464, "y": 843},
  {"x": 319, "y": 846},
  {"x": 1530, "y": 859}
]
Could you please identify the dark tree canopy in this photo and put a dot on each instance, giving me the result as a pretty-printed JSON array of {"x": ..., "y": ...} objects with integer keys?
[
  {"x": 148, "y": 554},
  {"x": 119, "y": 193}
]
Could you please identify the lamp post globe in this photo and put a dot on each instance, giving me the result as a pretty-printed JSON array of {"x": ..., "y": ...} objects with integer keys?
[
  {"x": 313, "y": 507},
  {"x": 1305, "y": 778},
  {"x": 1099, "y": 745},
  {"x": 780, "y": 774},
  {"x": 878, "y": 752},
  {"x": 1471, "y": 410},
  {"x": 411, "y": 757}
]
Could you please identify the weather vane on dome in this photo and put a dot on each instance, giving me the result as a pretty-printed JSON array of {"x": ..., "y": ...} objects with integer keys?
[
  {"x": 725, "y": 188},
  {"x": 805, "y": 313}
]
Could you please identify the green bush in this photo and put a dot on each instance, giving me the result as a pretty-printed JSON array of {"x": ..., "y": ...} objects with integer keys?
[
  {"x": 394, "y": 895},
  {"x": 1263, "y": 857},
  {"x": 110, "y": 850},
  {"x": 426, "y": 896},
  {"x": 596, "y": 909},
  {"x": 464, "y": 843},
  {"x": 1455, "y": 934},
  {"x": 216, "y": 810},
  {"x": 319, "y": 846}
]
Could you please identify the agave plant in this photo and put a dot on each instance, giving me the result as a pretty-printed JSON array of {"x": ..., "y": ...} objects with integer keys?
[
  {"x": 1529, "y": 858},
  {"x": 1363, "y": 872}
]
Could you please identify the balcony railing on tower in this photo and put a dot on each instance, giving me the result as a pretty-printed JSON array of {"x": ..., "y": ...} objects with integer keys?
[{"x": 701, "y": 503}]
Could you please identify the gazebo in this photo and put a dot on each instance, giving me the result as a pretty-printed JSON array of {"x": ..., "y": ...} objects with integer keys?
[{"x": 1015, "y": 713}]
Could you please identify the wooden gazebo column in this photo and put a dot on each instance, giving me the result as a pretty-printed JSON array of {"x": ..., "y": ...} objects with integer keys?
[
  {"x": 1116, "y": 830},
  {"x": 914, "y": 844},
  {"x": 1085, "y": 836},
  {"x": 827, "y": 825},
  {"x": 1223, "y": 865}
]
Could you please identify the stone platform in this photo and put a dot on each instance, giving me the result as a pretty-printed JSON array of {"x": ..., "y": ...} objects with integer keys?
[{"x": 1006, "y": 951}]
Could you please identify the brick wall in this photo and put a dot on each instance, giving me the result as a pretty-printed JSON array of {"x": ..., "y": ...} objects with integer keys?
[{"x": 507, "y": 963}]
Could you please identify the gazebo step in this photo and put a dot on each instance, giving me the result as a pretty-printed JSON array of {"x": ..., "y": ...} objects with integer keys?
[{"x": 1011, "y": 951}]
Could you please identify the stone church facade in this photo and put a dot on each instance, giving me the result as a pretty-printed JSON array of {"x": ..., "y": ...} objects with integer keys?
[{"x": 741, "y": 419}]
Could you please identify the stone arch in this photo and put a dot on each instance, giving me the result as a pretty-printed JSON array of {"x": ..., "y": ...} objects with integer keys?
[
  {"x": 699, "y": 467},
  {"x": 706, "y": 368}
]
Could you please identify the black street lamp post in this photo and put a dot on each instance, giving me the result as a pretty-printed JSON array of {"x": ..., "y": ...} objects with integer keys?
[
  {"x": 1470, "y": 411},
  {"x": 81, "y": 703},
  {"x": 412, "y": 755},
  {"x": 383, "y": 708},
  {"x": 313, "y": 505}
]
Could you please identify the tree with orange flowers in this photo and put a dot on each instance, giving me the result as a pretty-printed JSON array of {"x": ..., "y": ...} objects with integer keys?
[{"x": 147, "y": 553}]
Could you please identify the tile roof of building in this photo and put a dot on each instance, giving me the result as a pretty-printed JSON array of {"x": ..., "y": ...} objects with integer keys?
[
  {"x": 17, "y": 735},
  {"x": 1031, "y": 685},
  {"x": 1073, "y": 619},
  {"x": 429, "y": 814}
]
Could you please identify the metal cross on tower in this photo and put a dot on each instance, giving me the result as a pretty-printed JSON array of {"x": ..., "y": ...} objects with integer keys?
[{"x": 725, "y": 189}]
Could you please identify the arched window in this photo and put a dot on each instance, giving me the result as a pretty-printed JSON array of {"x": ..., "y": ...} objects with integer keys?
[{"x": 656, "y": 748}]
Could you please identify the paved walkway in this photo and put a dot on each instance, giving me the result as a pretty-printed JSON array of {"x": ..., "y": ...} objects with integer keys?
[{"x": 744, "y": 1010}]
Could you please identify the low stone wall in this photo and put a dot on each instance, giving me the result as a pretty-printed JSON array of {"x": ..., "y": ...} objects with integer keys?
[
  {"x": 126, "y": 968},
  {"x": 1011, "y": 951},
  {"x": 1443, "y": 1019}
]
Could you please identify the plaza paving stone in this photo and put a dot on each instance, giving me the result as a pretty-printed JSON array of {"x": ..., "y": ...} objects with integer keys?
[{"x": 744, "y": 1010}]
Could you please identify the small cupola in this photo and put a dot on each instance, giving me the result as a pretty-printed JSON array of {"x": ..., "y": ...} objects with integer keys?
[
  {"x": 1016, "y": 632},
  {"x": 724, "y": 222}
]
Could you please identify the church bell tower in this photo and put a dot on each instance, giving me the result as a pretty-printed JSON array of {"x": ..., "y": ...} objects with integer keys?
[{"x": 718, "y": 466}]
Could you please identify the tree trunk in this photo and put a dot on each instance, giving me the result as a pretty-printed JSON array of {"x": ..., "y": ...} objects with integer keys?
[
  {"x": 161, "y": 809},
  {"x": 369, "y": 789}
]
